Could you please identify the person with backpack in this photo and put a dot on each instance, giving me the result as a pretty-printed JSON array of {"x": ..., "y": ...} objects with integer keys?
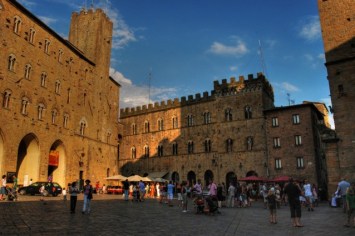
[{"x": 87, "y": 197}]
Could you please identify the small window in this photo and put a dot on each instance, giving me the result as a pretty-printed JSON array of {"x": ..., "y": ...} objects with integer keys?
[
  {"x": 250, "y": 142},
  {"x": 300, "y": 162},
  {"x": 278, "y": 164},
  {"x": 298, "y": 140},
  {"x": 206, "y": 118},
  {"x": 146, "y": 127},
  {"x": 190, "y": 147},
  {"x": 17, "y": 24},
  {"x": 146, "y": 151},
  {"x": 160, "y": 150},
  {"x": 190, "y": 120},
  {"x": 41, "y": 108},
  {"x": 296, "y": 119},
  {"x": 276, "y": 142},
  {"x": 54, "y": 116},
  {"x": 65, "y": 120},
  {"x": 44, "y": 79},
  {"x": 60, "y": 55},
  {"x": 82, "y": 128},
  {"x": 11, "y": 63},
  {"x": 31, "y": 36},
  {"x": 175, "y": 148},
  {"x": 228, "y": 116},
  {"x": 134, "y": 129},
  {"x": 248, "y": 112},
  {"x": 25, "y": 101},
  {"x": 275, "y": 122},
  {"x": 175, "y": 122},
  {"x": 208, "y": 145},
  {"x": 46, "y": 46},
  {"x": 133, "y": 153},
  {"x": 6, "y": 99},
  {"x": 28, "y": 69},
  {"x": 160, "y": 124},
  {"x": 57, "y": 87},
  {"x": 229, "y": 145}
]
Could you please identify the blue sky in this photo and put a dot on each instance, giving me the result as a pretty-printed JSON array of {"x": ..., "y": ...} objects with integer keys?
[{"x": 183, "y": 46}]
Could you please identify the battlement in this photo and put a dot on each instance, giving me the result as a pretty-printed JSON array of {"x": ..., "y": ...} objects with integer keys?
[{"x": 220, "y": 89}]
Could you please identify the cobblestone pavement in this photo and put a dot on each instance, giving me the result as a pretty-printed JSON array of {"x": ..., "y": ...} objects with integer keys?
[{"x": 112, "y": 216}]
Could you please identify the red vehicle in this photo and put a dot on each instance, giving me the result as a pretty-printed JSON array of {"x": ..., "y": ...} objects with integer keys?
[{"x": 114, "y": 190}]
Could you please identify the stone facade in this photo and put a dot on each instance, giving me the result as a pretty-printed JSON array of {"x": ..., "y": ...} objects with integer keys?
[
  {"x": 338, "y": 30},
  {"x": 224, "y": 135},
  {"x": 56, "y": 98}
]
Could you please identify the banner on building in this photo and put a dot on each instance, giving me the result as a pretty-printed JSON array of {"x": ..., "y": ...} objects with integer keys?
[{"x": 53, "y": 158}]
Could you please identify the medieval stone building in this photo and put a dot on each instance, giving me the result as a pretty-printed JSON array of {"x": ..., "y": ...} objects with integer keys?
[
  {"x": 337, "y": 20},
  {"x": 225, "y": 135},
  {"x": 59, "y": 108}
]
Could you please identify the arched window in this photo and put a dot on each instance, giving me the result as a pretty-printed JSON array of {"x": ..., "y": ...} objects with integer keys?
[
  {"x": 46, "y": 45},
  {"x": 229, "y": 145},
  {"x": 31, "y": 36},
  {"x": 160, "y": 150},
  {"x": 248, "y": 112},
  {"x": 60, "y": 55},
  {"x": 228, "y": 116},
  {"x": 28, "y": 69},
  {"x": 11, "y": 62},
  {"x": 208, "y": 145},
  {"x": 190, "y": 147},
  {"x": 146, "y": 151},
  {"x": 40, "y": 108},
  {"x": 133, "y": 152},
  {"x": 160, "y": 124},
  {"x": 146, "y": 126},
  {"x": 175, "y": 122},
  {"x": 65, "y": 120},
  {"x": 206, "y": 118},
  {"x": 54, "y": 116},
  {"x": 108, "y": 136},
  {"x": 190, "y": 120},
  {"x": 24, "y": 104},
  {"x": 44, "y": 79},
  {"x": 250, "y": 143},
  {"x": 17, "y": 24},
  {"x": 175, "y": 148},
  {"x": 82, "y": 127},
  {"x": 134, "y": 128},
  {"x": 6, "y": 99},
  {"x": 57, "y": 87}
]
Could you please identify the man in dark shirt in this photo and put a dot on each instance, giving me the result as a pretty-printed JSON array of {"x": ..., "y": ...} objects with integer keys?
[
  {"x": 125, "y": 189},
  {"x": 293, "y": 191}
]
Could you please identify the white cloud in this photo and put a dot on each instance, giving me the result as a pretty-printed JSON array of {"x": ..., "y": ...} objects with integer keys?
[
  {"x": 133, "y": 95},
  {"x": 310, "y": 28},
  {"x": 27, "y": 3},
  {"x": 289, "y": 87},
  {"x": 238, "y": 49},
  {"x": 47, "y": 20},
  {"x": 233, "y": 68}
]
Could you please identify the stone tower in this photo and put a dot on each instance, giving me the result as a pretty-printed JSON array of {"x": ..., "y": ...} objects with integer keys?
[
  {"x": 337, "y": 18},
  {"x": 91, "y": 32}
]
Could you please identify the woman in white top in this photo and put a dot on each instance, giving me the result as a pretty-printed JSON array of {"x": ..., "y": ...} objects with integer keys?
[{"x": 3, "y": 188}]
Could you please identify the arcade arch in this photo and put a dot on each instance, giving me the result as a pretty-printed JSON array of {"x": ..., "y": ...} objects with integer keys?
[
  {"x": 28, "y": 159},
  {"x": 208, "y": 176},
  {"x": 191, "y": 177},
  {"x": 175, "y": 177},
  {"x": 231, "y": 178},
  {"x": 57, "y": 162}
]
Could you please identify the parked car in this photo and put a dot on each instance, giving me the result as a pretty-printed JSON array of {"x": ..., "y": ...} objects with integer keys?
[
  {"x": 114, "y": 190},
  {"x": 50, "y": 188}
]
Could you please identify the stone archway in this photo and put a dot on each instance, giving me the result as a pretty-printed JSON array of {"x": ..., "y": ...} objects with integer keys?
[
  {"x": 28, "y": 160},
  {"x": 251, "y": 173},
  {"x": 175, "y": 177},
  {"x": 58, "y": 169},
  {"x": 191, "y": 177},
  {"x": 2, "y": 169},
  {"x": 208, "y": 176}
]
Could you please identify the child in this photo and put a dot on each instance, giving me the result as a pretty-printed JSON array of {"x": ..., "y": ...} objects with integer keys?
[
  {"x": 64, "y": 193},
  {"x": 271, "y": 200}
]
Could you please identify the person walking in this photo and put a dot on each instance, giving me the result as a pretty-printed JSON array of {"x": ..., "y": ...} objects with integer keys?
[
  {"x": 350, "y": 200},
  {"x": 231, "y": 193},
  {"x": 343, "y": 185},
  {"x": 73, "y": 191},
  {"x": 3, "y": 188},
  {"x": 184, "y": 196},
  {"x": 272, "y": 204},
  {"x": 170, "y": 191},
  {"x": 293, "y": 191},
  {"x": 307, "y": 187},
  {"x": 87, "y": 197}
]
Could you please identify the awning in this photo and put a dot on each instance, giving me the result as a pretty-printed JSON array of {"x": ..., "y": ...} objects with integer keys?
[
  {"x": 116, "y": 177},
  {"x": 158, "y": 174}
]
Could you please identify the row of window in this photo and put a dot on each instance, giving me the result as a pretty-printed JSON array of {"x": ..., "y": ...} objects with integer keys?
[
  {"x": 31, "y": 37},
  {"x": 277, "y": 142},
  {"x": 190, "y": 120},
  {"x": 190, "y": 147},
  {"x": 28, "y": 72},
  {"x": 295, "y": 120},
  {"x": 299, "y": 163}
]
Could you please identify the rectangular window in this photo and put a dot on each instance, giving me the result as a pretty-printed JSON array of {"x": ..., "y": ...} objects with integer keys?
[
  {"x": 275, "y": 122},
  {"x": 278, "y": 164},
  {"x": 298, "y": 140},
  {"x": 295, "y": 119},
  {"x": 300, "y": 163},
  {"x": 277, "y": 143}
]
